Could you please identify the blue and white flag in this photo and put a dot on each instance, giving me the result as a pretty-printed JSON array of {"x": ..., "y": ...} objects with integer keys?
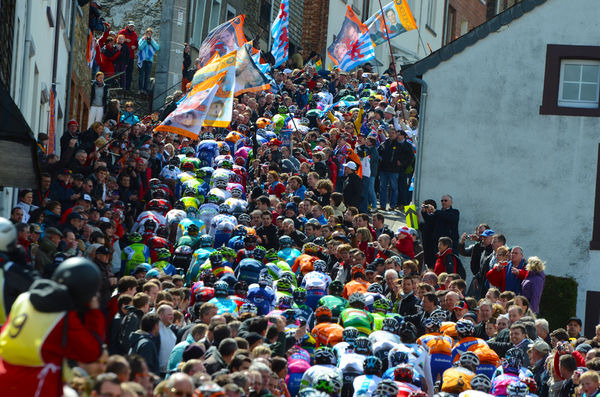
[
  {"x": 359, "y": 52},
  {"x": 279, "y": 33}
]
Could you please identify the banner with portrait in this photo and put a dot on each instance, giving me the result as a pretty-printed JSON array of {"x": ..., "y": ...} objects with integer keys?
[
  {"x": 187, "y": 119},
  {"x": 397, "y": 18},
  {"x": 248, "y": 76},
  {"x": 223, "y": 39},
  {"x": 350, "y": 33},
  {"x": 221, "y": 108}
]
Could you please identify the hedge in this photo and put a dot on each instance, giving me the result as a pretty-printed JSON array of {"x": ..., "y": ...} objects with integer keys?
[{"x": 559, "y": 300}]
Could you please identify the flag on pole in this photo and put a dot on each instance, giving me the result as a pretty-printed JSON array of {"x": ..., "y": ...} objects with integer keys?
[
  {"x": 396, "y": 16},
  {"x": 188, "y": 117},
  {"x": 319, "y": 65},
  {"x": 248, "y": 76},
  {"x": 221, "y": 108},
  {"x": 91, "y": 49},
  {"x": 223, "y": 39},
  {"x": 352, "y": 46},
  {"x": 360, "y": 51},
  {"x": 279, "y": 33}
]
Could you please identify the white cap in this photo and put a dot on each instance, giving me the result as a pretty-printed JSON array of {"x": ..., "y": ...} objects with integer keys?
[{"x": 352, "y": 165}]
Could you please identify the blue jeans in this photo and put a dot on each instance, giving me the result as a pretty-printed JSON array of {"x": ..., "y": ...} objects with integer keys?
[
  {"x": 144, "y": 78},
  {"x": 371, "y": 196},
  {"x": 388, "y": 179}
]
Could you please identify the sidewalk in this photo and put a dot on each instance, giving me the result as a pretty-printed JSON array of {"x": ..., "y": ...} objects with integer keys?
[{"x": 394, "y": 219}]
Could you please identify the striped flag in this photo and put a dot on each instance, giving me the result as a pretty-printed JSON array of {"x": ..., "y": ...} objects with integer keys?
[
  {"x": 279, "y": 33},
  {"x": 352, "y": 46},
  {"x": 359, "y": 52}
]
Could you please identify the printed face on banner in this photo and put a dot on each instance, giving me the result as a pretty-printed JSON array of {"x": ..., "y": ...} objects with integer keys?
[
  {"x": 392, "y": 20},
  {"x": 248, "y": 77},
  {"x": 187, "y": 119},
  {"x": 223, "y": 39},
  {"x": 349, "y": 37}
]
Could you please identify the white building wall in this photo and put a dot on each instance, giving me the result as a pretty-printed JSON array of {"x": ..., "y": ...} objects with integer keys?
[
  {"x": 530, "y": 176},
  {"x": 33, "y": 55}
]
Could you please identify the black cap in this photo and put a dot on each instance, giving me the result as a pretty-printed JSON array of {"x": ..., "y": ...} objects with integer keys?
[
  {"x": 102, "y": 250},
  {"x": 577, "y": 320},
  {"x": 192, "y": 351}
]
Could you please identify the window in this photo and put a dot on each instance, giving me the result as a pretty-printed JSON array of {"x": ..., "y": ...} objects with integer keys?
[
  {"x": 571, "y": 81},
  {"x": 265, "y": 13},
  {"x": 431, "y": 15},
  {"x": 215, "y": 14},
  {"x": 231, "y": 13},
  {"x": 464, "y": 27},
  {"x": 579, "y": 82},
  {"x": 450, "y": 24},
  {"x": 198, "y": 23}
]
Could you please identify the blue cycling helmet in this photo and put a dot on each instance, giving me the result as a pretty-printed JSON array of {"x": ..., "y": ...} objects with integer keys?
[{"x": 372, "y": 365}]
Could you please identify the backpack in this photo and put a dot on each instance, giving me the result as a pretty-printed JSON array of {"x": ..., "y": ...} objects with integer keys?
[
  {"x": 129, "y": 324},
  {"x": 458, "y": 266}
]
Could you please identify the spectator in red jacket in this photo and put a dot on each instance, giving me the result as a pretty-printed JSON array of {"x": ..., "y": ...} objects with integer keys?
[
  {"x": 109, "y": 54},
  {"x": 131, "y": 39},
  {"x": 497, "y": 275}
]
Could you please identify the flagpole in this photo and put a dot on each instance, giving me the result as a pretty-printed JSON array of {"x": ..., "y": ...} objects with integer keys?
[{"x": 387, "y": 36}]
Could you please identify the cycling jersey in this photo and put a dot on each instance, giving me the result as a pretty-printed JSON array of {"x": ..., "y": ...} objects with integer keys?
[
  {"x": 354, "y": 286},
  {"x": 322, "y": 331},
  {"x": 165, "y": 266},
  {"x": 170, "y": 172},
  {"x": 309, "y": 376},
  {"x": 185, "y": 223},
  {"x": 316, "y": 284},
  {"x": 225, "y": 305},
  {"x": 248, "y": 270},
  {"x": 439, "y": 348},
  {"x": 359, "y": 319},
  {"x": 468, "y": 343},
  {"x": 207, "y": 212},
  {"x": 133, "y": 255},
  {"x": 336, "y": 303},
  {"x": 304, "y": 263},
  {"x": 289, "y": 255},
  {"x": 365, "y": 385},
  {"x": 263, "y": 298},
  {"x": 351, "y": 363}
]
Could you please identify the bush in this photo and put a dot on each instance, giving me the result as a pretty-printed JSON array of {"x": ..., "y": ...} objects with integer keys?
[{"x": 559, "y": 300}]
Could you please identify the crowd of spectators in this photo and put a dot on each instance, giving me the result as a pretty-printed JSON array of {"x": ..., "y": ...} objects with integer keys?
[{"x": 315, "y": 270}]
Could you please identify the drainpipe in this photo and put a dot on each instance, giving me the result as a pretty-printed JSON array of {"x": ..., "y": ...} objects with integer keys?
[
  {"x": 419, "y": 159},
  {"x": 70, "y": 67},
  {"x": 26, "y": 52}
]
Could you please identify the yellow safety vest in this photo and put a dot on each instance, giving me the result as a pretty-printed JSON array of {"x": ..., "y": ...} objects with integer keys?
[
  {"x": 22, "y": 339},
  {"x": 411, "y": 216}
]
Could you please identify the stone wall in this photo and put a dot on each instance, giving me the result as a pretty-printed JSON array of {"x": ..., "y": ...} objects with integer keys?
[
  {"x": 82, "y": 74},
  {"x": 145, "y": 14}
]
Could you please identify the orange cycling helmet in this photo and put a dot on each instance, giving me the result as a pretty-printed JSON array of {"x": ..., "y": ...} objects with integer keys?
[{"x": 323, "y": 311}]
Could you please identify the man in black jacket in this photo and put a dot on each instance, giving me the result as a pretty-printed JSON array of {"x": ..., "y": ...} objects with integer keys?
[
  {"x": 142, "y": 341},
  {"x": 352, "y": 185},
  {"x": 445, "y": 221},
  {"x": 406, "y": 159},
  {"x": 389, "y": 152}
]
